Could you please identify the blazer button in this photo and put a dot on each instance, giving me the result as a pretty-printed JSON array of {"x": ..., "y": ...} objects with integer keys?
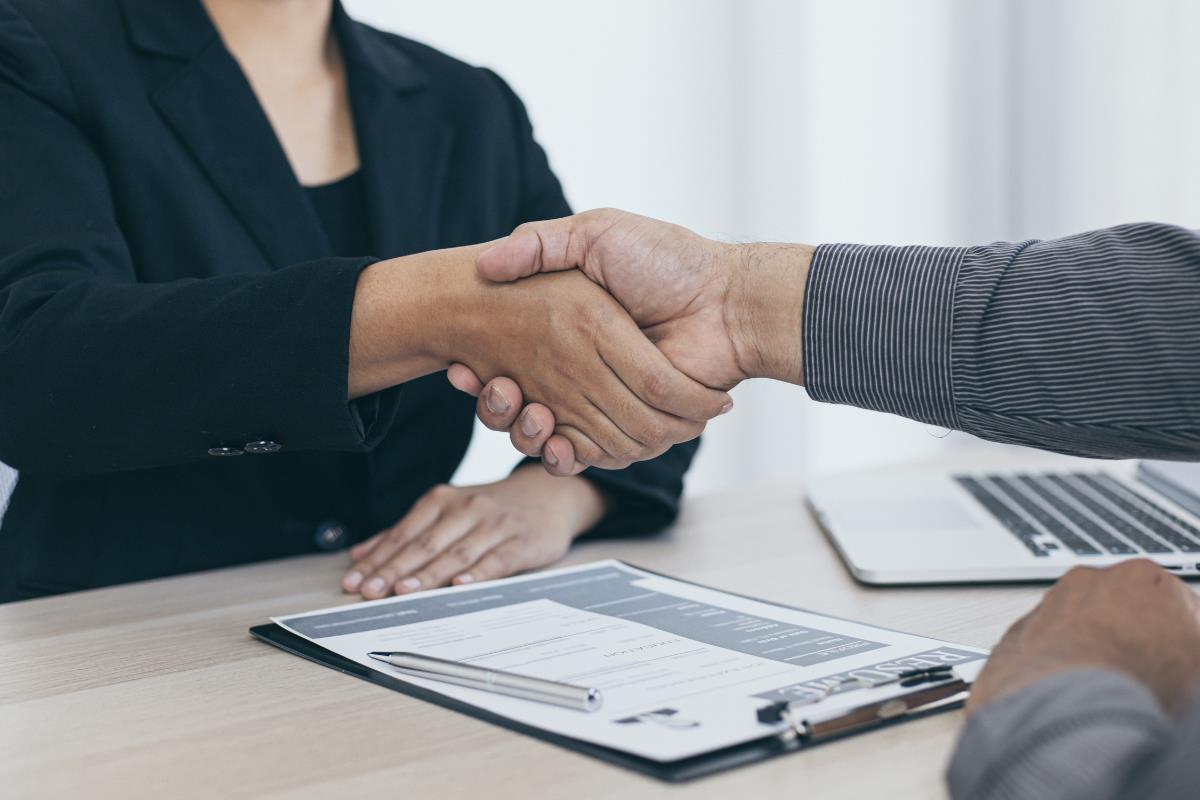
[
  {"x": 263, "y": 446},
  {"x": 330, "y": 535},
  {"x": 225, "y": 451}
]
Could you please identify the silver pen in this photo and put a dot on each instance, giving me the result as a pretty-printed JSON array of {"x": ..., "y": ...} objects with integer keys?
[{"x": 511, "y": 684}]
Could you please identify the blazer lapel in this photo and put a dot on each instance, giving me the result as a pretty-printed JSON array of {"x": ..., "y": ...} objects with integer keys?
[
  {"x": 211, "y": 107},
  {"x": 404, "y": 141}
]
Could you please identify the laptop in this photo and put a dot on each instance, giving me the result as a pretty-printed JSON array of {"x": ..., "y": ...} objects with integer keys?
[{"x": 903, "y": 526}]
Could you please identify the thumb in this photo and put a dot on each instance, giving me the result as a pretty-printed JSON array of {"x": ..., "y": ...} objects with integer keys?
[{"x": 547, "y": 246}]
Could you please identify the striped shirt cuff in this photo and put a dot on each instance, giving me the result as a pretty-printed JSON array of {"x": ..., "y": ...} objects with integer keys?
[{"x": 877, "y": 329}]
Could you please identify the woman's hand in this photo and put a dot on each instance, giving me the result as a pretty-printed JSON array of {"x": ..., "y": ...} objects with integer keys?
[{"x": 475, "y": 533}]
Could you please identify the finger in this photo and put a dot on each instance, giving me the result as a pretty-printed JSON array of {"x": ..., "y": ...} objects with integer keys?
[
  {"x": 643, "y": 428},
  {"x": 423, "y": 514},
  {"x": 499, "y": 403},
  {"x": 558, "y": 457},
  {"x": 367, "y": 545},
  {"x": 655, "y": 380},
  {"x": 533, "y": 428},
  {"x": 507, "y": 558},
  {"x": 464, "y": 379},
  {"x": 536, "y": 247},
  {"x": 605, "y": 443},
  {"x": 396, "y": 575},
  {"x": 460, "y": 557}
]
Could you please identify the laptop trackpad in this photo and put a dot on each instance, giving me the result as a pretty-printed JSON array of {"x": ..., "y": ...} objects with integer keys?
[{"x": 906, "y": 514}]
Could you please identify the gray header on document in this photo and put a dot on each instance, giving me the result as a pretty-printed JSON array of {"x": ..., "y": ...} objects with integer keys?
[{"x": 613, "y": 592}]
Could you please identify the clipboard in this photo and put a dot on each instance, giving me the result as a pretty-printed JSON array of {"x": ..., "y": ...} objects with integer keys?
[{"x": 806, "y": 727}]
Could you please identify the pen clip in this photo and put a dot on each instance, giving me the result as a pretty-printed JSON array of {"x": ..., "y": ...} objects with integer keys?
[{"x": 799, "y": 727}]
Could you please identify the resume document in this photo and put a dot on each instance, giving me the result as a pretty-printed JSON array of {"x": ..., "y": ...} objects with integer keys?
[{"x": 683, "y": 668}]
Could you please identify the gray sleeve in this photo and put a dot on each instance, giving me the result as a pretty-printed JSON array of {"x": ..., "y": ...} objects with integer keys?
[
  {"x": 1088, "y": 345},
  {"x": 1083, "y": 735}
]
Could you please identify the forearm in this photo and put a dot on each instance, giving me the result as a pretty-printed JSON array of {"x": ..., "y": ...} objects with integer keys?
[
  {"x": 1085, "y": 345},
  {"x": 403, "y": 320},
  {"x": 106, "y": 375},
  {"x": 1083, "y": 734}
]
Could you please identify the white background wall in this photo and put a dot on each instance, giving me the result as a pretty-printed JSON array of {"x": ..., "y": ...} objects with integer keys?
[{"x": 932, "y": 121}]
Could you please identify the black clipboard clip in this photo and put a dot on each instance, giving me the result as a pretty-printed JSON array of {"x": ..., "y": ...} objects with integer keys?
[{"x": 939, "y": 683}]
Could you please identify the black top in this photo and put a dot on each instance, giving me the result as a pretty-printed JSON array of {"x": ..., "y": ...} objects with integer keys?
[
  {"x": 169, "y": 299},
  {"x": 342, "y": 208}
]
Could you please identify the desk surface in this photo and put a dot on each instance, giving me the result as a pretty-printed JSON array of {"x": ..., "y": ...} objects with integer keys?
[{"x": 156, "y": 688}]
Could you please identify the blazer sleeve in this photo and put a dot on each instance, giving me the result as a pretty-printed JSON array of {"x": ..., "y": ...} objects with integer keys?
[
  {"x": 101, "y": 373},
  {"x": 644, "y": 497}
]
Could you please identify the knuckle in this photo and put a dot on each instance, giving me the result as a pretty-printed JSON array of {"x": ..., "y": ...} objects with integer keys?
[
  {"x": 460, "y": 555},
  {"x": 424, "y": 546},
  {"x": 443, "y": 491},
  {"x": 631, "y": 452},
  {"x": 1138, "y": 568},
  {"x": 657, "y": 387},
  {"x": 1076, "y": 575},
  {"x": 589, "y": 453},
  {"x": 653, "y": 431}
]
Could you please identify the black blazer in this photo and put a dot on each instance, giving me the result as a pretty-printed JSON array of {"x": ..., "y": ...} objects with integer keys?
[{"x": 167, "y": 291}]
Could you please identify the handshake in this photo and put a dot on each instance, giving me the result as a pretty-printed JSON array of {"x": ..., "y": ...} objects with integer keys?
[{"x": 691, "y": 319}]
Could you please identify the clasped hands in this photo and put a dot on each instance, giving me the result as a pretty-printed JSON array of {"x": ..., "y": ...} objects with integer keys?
[{"x": 718, "y": 313}]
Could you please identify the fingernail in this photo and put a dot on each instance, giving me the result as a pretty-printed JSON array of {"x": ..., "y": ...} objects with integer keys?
[
  {"x": 550, "y": 458},
  {"x": 410, "y": 584},
  {"x": 466, "y": 577},
  {"x": 352, "y": 580},
  {"x": 496, "y": 402},
  {"x": 374, "y": 586},
  {"x": 529, "y": 425},
  {"x": 725, "y": 409}
]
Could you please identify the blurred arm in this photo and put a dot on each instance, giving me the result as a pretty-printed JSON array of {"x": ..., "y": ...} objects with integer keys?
[
  {"x": 1088, "y": 345},
  {"x": 1091, "y": 734}
]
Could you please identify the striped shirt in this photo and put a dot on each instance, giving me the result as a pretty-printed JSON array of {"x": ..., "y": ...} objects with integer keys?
[{"x": 1087, "y": 345}]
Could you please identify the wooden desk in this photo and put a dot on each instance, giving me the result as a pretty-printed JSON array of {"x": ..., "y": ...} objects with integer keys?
[{"x": 156, "y": 690}]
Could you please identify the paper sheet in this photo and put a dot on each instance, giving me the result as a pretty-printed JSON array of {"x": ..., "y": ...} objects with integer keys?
[{"x": 683, "y": 669}]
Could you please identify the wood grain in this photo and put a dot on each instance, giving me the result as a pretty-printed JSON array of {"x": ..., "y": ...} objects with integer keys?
[{"x": 155, "y": 689}]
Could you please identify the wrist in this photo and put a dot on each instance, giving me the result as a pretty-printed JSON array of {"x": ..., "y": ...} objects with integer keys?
[
  {"x": 764, "y": 307},
  {"x": 575, "y": 501},
  {"x": 406, "y": 316}
]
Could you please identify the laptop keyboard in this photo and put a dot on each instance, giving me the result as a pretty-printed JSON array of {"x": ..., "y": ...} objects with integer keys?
[{"x": 1088, "y": 514}]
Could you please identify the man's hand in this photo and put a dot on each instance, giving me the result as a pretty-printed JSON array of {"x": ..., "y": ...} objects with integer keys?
[
  {"x": 720, "y": 313},
  {"x": 1134, "y": 618},
  {"x": 475, "y": 533}
]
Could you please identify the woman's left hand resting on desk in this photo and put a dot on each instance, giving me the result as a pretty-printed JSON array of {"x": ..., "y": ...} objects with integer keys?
[{"x": 475, "y": 533}]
